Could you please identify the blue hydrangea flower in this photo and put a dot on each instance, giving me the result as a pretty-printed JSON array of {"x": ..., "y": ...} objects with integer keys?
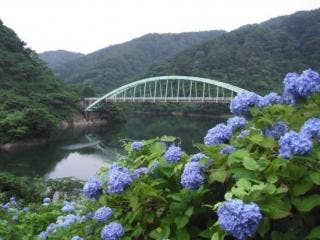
[
  {"x": 26, "y": 209},
  {"x": 293, "y": 143},
  {"x": 13, "y": 202},
  {"x": 191, "y": 177},
  {"x": 240, "y": 103},
  {"x": 311, "y": 128},
  {"x": 92, "y": 188},
  {"x": 76, "y": 238},
  {"x": 15, "y": 218},
  {"x": 269, "y": 99},
  {"x": 68, "y": 207},
  {"x": 112, "y": 231},
  {"x": 137, "y": 145},
  {"x": 139, "y": 171},
  {"x": 277, "y": 130},
  {"x": 43, "y": 235},
  {"x": 118, "y": 179},
  {"x": 236, "y": 122},
  {"x": 47, "y": 200},
  {"x": 173, "y": 154},
  {"x": 102, "y": 214},
  {"x": 308, "y": 83},
  {"x": 244, "y": 133},
  {"x": 227, "y": 150},
  {"x": 197, "y": 157},
  {"x": 239, "y": 219},
  {"x": 154, "y": 165},
  {"x": 218, "y": 135}
]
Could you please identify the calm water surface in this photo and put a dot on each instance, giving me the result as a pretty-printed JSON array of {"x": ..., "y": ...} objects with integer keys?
[{"x": 80, "y": 153}]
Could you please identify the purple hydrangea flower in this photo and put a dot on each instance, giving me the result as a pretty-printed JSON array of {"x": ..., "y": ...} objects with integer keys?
[
  {"x": 227, "y": 150},
  {"x": 191, "y": 177},
  {"x": 43, "y": 235},
  {"x": 137, "y": 145},
  {"x": 236, "y": 122},
  {"x": 197, "y": 157},
  {"x": 244, "y": 133},
  {"x": 76, "y": 238},
  {"x": 118, "y": 179},
  {"x": 102, "y": 214},
  {"x": 240, "y": 104},
  {"x": 68, "y": 207},
  {"x": 173, "y": 154},
  {"x": 92, "y": 188},
  {"x": 277, "y": 130},
  {"x": 311, "y": 128},
  {"x": 269, "y": 99},
  {"x": 139, "y": 171},
  {"x": 218, "y": 135},
  {"x": 293, "y": 143},
  {"x": 308, "y": 83},
  {"x": 239, "y": 219},
  {"x": 112, "y": 231}
]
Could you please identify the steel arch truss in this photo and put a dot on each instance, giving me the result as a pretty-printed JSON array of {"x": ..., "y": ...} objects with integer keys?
[{"x": 170, "y": 89}]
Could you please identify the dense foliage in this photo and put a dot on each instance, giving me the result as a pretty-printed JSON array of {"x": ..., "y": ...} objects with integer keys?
[
  {"x": 32, "y": 99},
  {"x": 255, "y": 56},
  {"x": 56, "y": 59},
  {"x": 240, "y": 186},
  {"x": 111, "y": 67}
]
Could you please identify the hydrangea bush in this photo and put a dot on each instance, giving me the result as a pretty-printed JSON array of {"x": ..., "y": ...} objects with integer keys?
[{"x": 257, "y": 176}]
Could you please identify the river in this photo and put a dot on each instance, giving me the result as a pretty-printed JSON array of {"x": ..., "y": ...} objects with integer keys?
[{"x": 81, "y": 152}]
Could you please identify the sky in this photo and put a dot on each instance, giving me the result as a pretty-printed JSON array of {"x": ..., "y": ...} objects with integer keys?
[{"x": 88, "y": 25}]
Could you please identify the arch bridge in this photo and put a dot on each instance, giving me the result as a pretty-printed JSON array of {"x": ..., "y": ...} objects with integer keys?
[{"x": 169, "y": 89}]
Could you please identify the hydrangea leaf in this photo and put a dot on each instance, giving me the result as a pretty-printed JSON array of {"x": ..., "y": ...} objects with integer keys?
[
  {"x": 250, "y": 164},
  {"x": 301, "y": 187},
  {"x": 181, "y": 221},
  {"x": 305, "y": 204},
  {"x": 182, "y": 234},
  {"x": 276, "y": 208},
  {"x": 237, "y": 156},
  {"x": 264, "y": 226},
  {"x": 218, "y": 175},
  {"x": 314, "y": 234},
  {"x": 315, "y": 177}
]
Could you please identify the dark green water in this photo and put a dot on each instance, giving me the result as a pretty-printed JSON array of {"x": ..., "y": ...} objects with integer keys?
[{"x": 80, "y": 153}]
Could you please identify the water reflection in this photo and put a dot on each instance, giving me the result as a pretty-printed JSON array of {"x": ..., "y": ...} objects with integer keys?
[{"x": 79, "y": 153}]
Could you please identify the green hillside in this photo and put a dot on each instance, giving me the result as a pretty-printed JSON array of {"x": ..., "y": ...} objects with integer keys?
[
  {"x": 255, "y": 57},
  {"x": 56, "y": 59},
  {"x": 32, "y": 99},
  {"x": 113, "y": 66}
]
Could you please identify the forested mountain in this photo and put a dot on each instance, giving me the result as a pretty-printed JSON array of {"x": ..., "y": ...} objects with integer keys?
[
  {"x": 113, "y": 66},
  {"x": 255, "y": 57},
  {"x": 32, "y": 99},
  {"x": 56, "y": 59}
]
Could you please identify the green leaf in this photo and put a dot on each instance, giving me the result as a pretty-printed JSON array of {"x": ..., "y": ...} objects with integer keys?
[
  {"x": 301, "y": 187},
  {"x": 160, "y": 233},
  {"x": 276, "y": 208},
  {"x": 218, "y": 175},
  {"x": 305, "y": 204},
  {"x": 250, "y": 164},
  {"x": 315, "y": 177},
  {"x": 189, "y": 211},
  {"x": 264, "y": 226},
  {"x": 314, "y": 234},
  {"x": 182, "y": 234},
  {"x": 237, "y": 156},
  {"x": 181, "y": 221}
]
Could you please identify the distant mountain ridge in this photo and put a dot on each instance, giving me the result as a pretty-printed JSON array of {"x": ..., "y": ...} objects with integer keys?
[
  {"x": 56, "y": 59},
  {"x": 255, "y": 57},
  {"x": 116, "y": 65}
]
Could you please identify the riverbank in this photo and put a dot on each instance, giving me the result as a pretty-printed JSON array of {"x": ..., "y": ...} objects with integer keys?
[{"x": 79, "y": 121}]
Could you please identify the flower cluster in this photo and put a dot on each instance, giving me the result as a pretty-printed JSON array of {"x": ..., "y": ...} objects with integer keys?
[
  {"x": 92, "y": 188},
  {"x": 293, "y": 143},
  {"x": 191, "y": 177},
  {"x": 112, "y": 231},
  {"x": 244, "y": 133},
  {"x": 236, "y": 122},
  {"x": 102, "y": 214},
  {"x": 76, "y": 238},
  {"x": 297, "y": 86},
  {"x": 311, "y": 128},
  {"x": 277, "y": 130},
  {"x": 239, "y": 219},
  {"x": 68, "y": 207},
  {"x": 47, "y": 200},
  {"x": 118, "y": 179},
  {"x": 197, "y": 157},
  {"x": 218, "y": 135},
  {"x": 173, "y": 154},
  {"x": 269, "y": 99},
  {"x": 137, "y": 145},
  {"x": 240, "y": 103},
  {"x": 227, "y": 150}
]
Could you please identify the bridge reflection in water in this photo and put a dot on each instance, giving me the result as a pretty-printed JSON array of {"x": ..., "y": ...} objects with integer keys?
[{"x": 169, "y": 89}]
